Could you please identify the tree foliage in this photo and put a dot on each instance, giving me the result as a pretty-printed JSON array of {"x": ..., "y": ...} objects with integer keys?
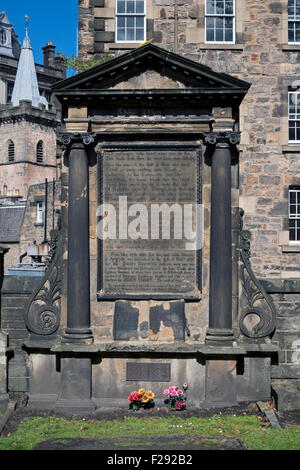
[{"x": 76, "y": 64}]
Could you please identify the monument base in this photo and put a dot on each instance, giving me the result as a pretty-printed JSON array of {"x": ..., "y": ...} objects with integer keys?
[{"x": 75, "y": 406}]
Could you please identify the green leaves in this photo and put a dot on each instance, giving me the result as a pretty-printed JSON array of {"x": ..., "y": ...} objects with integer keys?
[{"x": 76, "y": 64}]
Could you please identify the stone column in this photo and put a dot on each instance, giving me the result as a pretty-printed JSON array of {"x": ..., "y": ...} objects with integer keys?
[
  {"x": 75, "y": 351},
  {"x": 3, "y": 340},
  {"x": 78, "y": 285},
  {"x": 221, "y": 146}
]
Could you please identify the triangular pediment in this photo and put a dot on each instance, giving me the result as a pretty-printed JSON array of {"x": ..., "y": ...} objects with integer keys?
[
  {"x": 149, "y": 67},
  {"x": 150, "y": 79}
]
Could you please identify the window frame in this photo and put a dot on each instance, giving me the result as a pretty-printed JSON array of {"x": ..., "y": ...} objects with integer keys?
[
  {"x": 292, "y": 20},
  {"x": 11, "y": 151},
  {"x": 117, "y": 15},
  {"x": 207, "y": 15},
  {"x": 3, "y": 33},
  {"x": 296, "y": 92},
  {"x": 296, "y": 215},
  {"x": 40, "y": 159},
  {"x": 9, "y": 87},
  {"x": 39, "y": 212}
]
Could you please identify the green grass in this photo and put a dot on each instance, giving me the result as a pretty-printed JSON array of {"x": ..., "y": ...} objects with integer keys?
[{"x": 249, "y": 429}]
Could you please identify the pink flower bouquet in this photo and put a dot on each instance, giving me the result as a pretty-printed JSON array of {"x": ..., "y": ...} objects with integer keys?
[{"x": 176, "y": 397}]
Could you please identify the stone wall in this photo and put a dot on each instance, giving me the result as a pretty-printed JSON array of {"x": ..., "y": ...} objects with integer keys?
[
  {"x": 285, "y": 368},
  {"x": 13, "y": 256},
  {"x": 261, "y": 56},
  {"x": 86, "y": 27},
  {"x": 15, "y": 294}
]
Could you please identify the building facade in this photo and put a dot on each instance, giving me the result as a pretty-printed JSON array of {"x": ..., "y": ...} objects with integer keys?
[
  {"x": 28, "y": 118},
  {"x": 255, "y": 41},
  {"x": 28, "y": 123}
]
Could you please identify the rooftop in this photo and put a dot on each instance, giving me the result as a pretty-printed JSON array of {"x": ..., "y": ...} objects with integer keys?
[{"x": 11, "y": 218}]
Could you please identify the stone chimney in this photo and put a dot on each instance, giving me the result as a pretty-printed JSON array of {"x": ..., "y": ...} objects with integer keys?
[
  {"x": 49, "y": 53},
  {"x": 60, "y": 65}
]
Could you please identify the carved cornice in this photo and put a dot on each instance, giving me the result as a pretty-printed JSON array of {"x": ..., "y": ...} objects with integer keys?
[
  {"x": 29, "y": 118},
  {"x": 67, "y": 140},
  {"x": 211, "y": 139}
]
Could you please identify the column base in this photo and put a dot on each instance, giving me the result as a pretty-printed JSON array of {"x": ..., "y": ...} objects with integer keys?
[
  {"x": 220, "y": 337},
  {"x": 78, "y": 335},
  {"x": 76, "y": 385},
  {"x": 221, "y": 386}
]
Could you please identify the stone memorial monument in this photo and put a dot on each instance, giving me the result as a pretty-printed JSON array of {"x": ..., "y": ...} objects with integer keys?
[{"x": 149, "y": 280}]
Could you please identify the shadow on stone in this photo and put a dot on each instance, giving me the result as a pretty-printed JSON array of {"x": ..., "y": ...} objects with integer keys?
[{"x": 144, "y": 443}]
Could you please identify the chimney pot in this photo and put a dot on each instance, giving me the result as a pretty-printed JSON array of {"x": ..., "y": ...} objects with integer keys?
[{"x": 49, "y": 54}]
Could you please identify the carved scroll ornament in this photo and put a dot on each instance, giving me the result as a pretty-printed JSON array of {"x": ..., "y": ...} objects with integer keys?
[
  {"x": 42, "y": 315},
  {"x": 256, "y": 302}
]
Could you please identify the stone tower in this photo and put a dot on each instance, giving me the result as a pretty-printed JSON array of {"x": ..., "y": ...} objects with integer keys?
[
  {"x": 27, "y": 132},
  {"x": 6, "y": 36}
]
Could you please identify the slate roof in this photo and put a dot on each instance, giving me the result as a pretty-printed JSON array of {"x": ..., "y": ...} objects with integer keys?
[{"x": 11, "y": 219}]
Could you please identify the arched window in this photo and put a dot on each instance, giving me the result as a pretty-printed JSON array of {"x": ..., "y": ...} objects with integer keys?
[
  {"x": 40, "y": 152},
  {"x": 11, "y": 151}
]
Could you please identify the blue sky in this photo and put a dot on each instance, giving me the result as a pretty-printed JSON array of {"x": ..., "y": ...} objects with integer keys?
[{"x": 54, "y": 21}]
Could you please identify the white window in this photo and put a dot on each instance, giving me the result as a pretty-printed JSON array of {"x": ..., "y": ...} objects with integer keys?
[
  {"x": 294, "y": 21},
  {"x": 294, "y": 116},
  {"x": 220, "y": 21},
  {"x": 131, "y": 21},
  {"x": 39, "y": 212},
  {"x": 294, "y": 215},
  {"x": 3, "y": 37}
]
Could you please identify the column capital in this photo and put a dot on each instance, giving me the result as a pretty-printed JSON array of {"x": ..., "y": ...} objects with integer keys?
[
  {"x": 68, "y": 140},
  {"x": 212, "y": 139}
]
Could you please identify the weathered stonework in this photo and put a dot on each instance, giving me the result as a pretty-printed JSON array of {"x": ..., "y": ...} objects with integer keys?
[
  {"x": 264, "y": 351},
  {"x": 15, "y": 293},
  {"x": 261, "y": 55},
  {"x": 25, "y": 126}
]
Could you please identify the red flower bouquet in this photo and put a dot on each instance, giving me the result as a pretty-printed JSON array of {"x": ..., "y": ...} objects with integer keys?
[{"x": 141, "y": 399}]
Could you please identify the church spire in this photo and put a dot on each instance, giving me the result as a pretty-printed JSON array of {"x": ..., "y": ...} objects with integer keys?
[{"x": 26, "y": 84}]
